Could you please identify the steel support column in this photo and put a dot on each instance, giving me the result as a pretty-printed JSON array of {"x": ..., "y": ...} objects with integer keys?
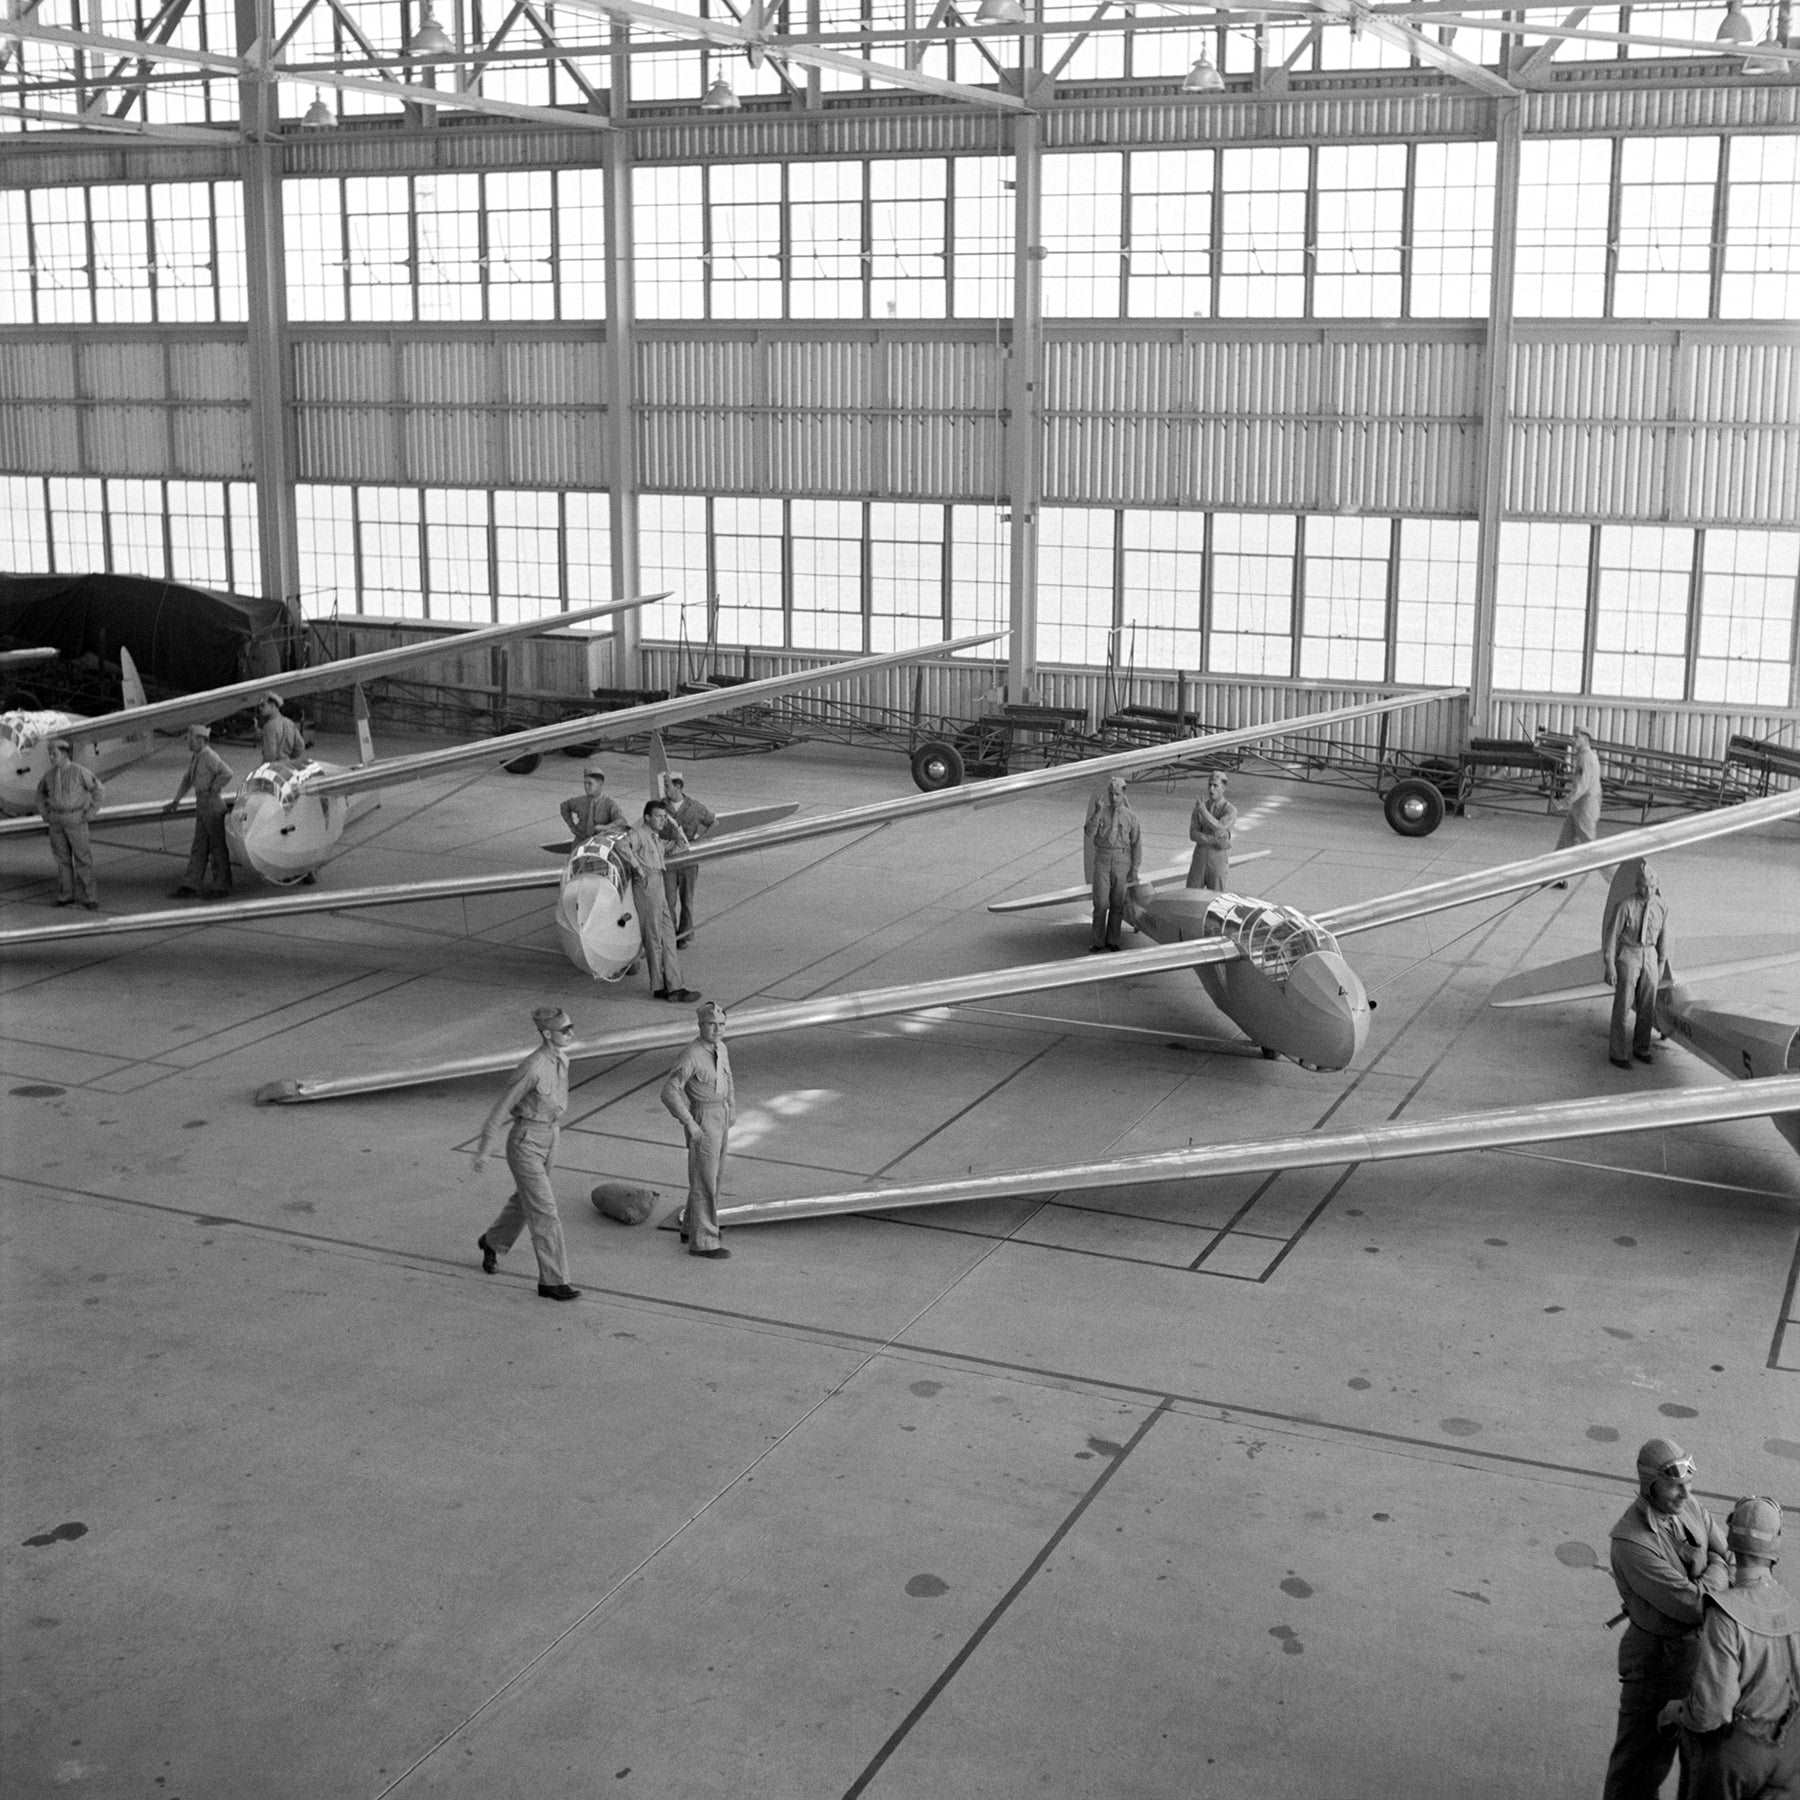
[
  {"x": 620, "y": 359},
  {"x": 1024, "y": 453}
]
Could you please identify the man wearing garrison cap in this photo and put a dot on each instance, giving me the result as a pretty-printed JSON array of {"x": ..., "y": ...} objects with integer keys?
[
  {"x": 279, "y": 738},
  {"x": 536, "y": 1097},
  {"x": 703, "y": 1097},
  {"x": 208, "y": 870},
  {"x": 1668, "y": 1554}
]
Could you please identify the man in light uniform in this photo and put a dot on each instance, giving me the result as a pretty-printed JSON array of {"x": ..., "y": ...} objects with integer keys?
[
  {"x": 586, "y": 812},
  {"x": 1634, "y": 956},
  {"x": 1668, "y": 1554},
  {"x": 1210, "y": 830},
  {"x": 68, "y": 796},
  {"x": 1740, "y": 1722},
  {"x": 1580, "y": 807},
  {"x": 208, "y": 870},
  {"x": 641, "y": 851},
  {"x": 536, "y": 1097},
  {"x": 696, "y": 819},
  {"x": 279, "y": 739},
  {"x": 703, "y": 1098},
  {"x": 1112, "y": 844}
]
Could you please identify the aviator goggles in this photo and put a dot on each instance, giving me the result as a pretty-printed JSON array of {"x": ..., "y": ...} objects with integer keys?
[{"x": 1681, "y": 1469}]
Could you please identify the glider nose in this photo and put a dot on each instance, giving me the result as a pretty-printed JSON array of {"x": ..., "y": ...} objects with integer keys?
[{"x": 1335, "y": 1006}]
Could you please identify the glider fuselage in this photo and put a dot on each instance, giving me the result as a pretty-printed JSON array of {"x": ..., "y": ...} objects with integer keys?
[{"x": 25, "y": 739}]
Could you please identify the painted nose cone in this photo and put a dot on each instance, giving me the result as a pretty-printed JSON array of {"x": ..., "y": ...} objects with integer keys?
[{"x": 1336, "y": 1009}]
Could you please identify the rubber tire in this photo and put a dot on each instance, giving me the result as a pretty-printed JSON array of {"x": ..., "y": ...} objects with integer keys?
[
  {"x": 523, "y": 765},
  {"x": 936, "y": 766},
  {"x": 580, "y": 749},
  {"x": 1413, "y": 807}
]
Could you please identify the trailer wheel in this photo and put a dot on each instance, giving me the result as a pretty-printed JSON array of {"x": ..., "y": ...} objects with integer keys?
[
  {"x": 937, "y": 765},
  {"x": 523, "y": 765},
  {"x": 1414, "y": 808}
]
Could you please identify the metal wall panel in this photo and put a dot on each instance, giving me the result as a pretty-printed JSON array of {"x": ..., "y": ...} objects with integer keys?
[
  {"x": 129, "y": 370},
  {"x": 38, "y": 439},
  {"x": 43, "y": 370},
  {"x": 212, "y": 443},
  {"x": 1649, "y": 107},
  {"x": 126, "y": 440},
  {"x": 1669, "y": 726}
]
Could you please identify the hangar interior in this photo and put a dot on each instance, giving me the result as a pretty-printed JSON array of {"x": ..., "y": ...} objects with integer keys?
[{"x": 1237, "y": 359}]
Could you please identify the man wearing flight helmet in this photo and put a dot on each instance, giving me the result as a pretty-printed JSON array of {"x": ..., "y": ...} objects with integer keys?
[
  {"x": 1668, "y": 1554},
  {"x": 1740, "y": 1722}
]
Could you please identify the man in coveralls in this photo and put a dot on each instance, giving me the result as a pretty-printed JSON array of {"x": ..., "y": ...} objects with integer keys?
[
  {"x": 1740, "y": 1722},
  {"x": 1112, "y": 843},
  {"x": 208, "y": 870},
  {"x": 696, "y": 819},
  {"x": 68, "y": 795},
  {"x": 703, "y": 1098},
  {"x": 536, "y": 1097},
  {"x": 1210, "y": 832},
  {"x": 1635, "y": 956},
  {"x": 1668, "y": 1554},
  {"x": 1581, "y": 805},
  {"x": 586, "y": 812},
  {"x": 641, "y": 850}
]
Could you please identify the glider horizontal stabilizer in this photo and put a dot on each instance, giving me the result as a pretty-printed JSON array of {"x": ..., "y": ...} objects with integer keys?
[
  {"x": 1600, "y": 1116},
  {"x": 1579, "y": 977}
]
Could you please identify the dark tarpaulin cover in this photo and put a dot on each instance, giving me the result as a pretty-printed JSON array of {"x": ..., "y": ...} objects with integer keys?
[{"x": 181, "y": 638}]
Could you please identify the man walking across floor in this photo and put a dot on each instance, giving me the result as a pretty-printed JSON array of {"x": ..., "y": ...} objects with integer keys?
[
  {"x": 703, "y": 1098},
  {"x": 1581, "y": 805},
  {"x": 208, "y": 872},
  {"x": 1112, "y": 844},
  {"x": 1636, "y": 957},
  {"x": 536, "y": 1097},
  {"x": 68, "y": 796},
  {"x": 696, "y": 819}
]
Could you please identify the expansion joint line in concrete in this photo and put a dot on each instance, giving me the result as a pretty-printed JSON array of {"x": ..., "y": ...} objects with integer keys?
[{"x": 979, "y": 1635}]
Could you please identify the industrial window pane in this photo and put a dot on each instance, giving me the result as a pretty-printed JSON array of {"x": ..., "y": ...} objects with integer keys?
[
  {"x": 387, "y": 534},
  {"x": 312, "y": 223},
  {"x": 199, "y": 550},
  {"x": 587, "y": 550},
  {"x": 906, "y": 576},
  {"x": 229, "y": 278},
  {"x": 449, "y": 235},
  {"x": 1075, "y": 584},
  {"x": 672, "y": 555},
  {"x": 1641, "y": 610},
  {"x": 827, "y": 538},
  {"x": 1434, "y": 602},
  {"x": 1343, "y": 634},
  {"x": 1564, "y": 192},
  {"x": 1253, "y": 594},
  {"x": 980, "y": 552},
  {"x": 241, "y": 524},
  {"x": 747, "y": 561},
  {"x": 1666, "y": 190},
  {"x": 1096, "y": 56},
  {"x": 15, "y": 259},
  {"x": 519, "y": 273},
  {"x": 666, "y": 221},
  {"x": 1540, "y": 612},
  {"x": 527, "y": 544},
  {"x": 908, "y": 204},
  {"x": 825, "y": 225},
  {"x": 1601, "y": 19},
  {"x": 325, "y": 519},
  {"x": 581, "y": 243},
  {"x": 378, "y": 246},
  {"x": 1452, "y": 231},
  {"x": 667, "y": 75},
  {"x": 22, "y": 524},
  {"x": 1361, "y": 213},
  {"x": 1262, "y": 247},
  {"x": 77, "y": 534},
  {"x": 183, "y": 257},
  {"x": 134, "y": 516},
  {"x": 981, "y": 238},
  {"x": 1748, "y": 644},
  {"x": 1082, "y": 225},
  {"x": 1761, "y": 254},
  {"x": 122, "y": 256},
  {"x": 60, "y": 260},
  {"x": 744, "y": 254},
  {"x": 458, "y": 585},
  {"x": 1164, "y": 558},
  {"x": 1169, "y": 248}
]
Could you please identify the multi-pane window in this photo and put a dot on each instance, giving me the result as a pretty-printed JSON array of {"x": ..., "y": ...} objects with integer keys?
[
  {"x": 825, "y": 223},
  {"x": 743, "y": 249},
  {"x": 1170, "y": 245},
  {"x": 1540, "y": 612},
  {"x": 672, "y": 555},
  {"x": 1262, "y": 239},
  {"x": 1667, "y": 187},
  {"x": 325, "y": 520},
  {"x": 1162, "y": 589},
  {"x": 24, "y": 525},
  {"x": 1344, "y": 628},
  {"x": 980, "y": 250},
  {"x": 1748, "y": 644},
  {"x": 1565, "y": 198},
  {"x": 827, "y": 553},
  {"x": 1083, "y": 223},
  {"x": 457, "y": 582},
  {"x": 668, "y": 242},
  {"x": 980, "y": 551},
  {"x": 906, "y": 576},
  {"x": 1640, "y": 611},
  {"x": 527, "y": 556},
  {"x": 77, "y": 508},
  {"x": 586, "y": 546},
  {"x": 448, "y": 225},
  {"x": 1452, "y": 231},
  {"x": 1252, "y": 594},
  {"x": 387, "y": 543},
  {"x": 748, "y": 571},
  {"x": 1361, "y": 206},
  {"x": 908, "y": 251},
  {"x": 135, "y": 520},
  {"x": 1760, "y": 257},
  {"x": 1434, "y": 601},
  {"x": 1075, "y": 585}
]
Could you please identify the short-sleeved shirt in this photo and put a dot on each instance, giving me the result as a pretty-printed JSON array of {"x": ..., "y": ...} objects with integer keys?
[
  {"x": 209, "y": 774},
  {"x": 585, "y": 814},
  {"x": 546, "y": 1099}
]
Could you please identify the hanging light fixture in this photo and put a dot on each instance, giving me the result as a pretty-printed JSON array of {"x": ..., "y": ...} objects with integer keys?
[
  {"x": 720, "y": 97},
  {"x": 1759, "y": 61},
  {"x": 318, "y": 116},
  {"x": 1203, "y": 78},
  {"x": 1734, "y": 28},
  {"x": 432, "y": 40},
  {"x": 1000, "y": 12}
]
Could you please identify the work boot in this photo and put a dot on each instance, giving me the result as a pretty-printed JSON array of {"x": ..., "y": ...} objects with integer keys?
[{"x": 561, "y": 1291}]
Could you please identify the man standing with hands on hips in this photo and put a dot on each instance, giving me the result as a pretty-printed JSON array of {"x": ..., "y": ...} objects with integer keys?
[{"x": 703, "y": 1098}]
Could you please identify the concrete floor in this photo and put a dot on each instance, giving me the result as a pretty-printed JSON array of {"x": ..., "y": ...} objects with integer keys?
[{"x": 1294, "y": 1486}]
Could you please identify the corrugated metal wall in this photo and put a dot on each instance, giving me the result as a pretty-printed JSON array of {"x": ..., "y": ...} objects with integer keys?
[{"x": 1669, "y": 726}]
